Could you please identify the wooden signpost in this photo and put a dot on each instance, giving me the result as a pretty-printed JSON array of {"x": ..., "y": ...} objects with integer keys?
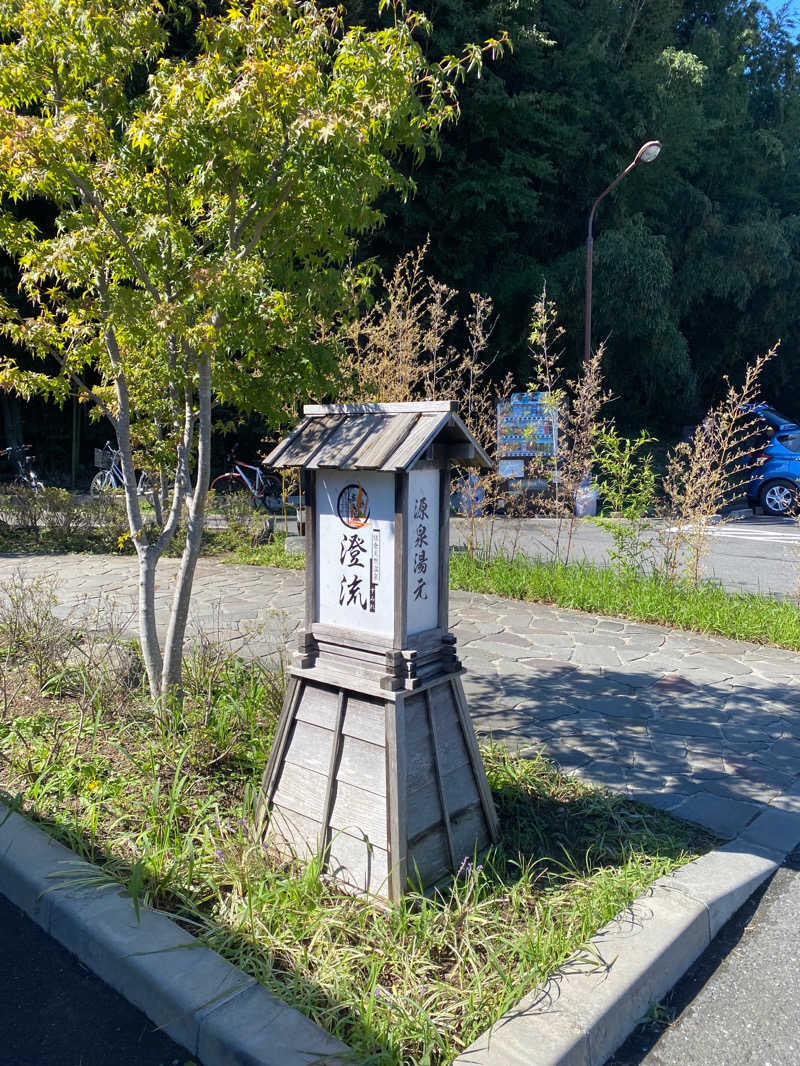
[{"x": 375, "y": 765}]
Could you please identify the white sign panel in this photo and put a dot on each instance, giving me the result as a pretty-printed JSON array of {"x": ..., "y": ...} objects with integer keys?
[
  {"x": 355, "y": 550},
  {"x": 423, "y": 550}
]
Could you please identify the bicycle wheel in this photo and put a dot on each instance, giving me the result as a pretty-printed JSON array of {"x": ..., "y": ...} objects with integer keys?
[
  {"x": 228, "y": 485},
  {"x": 101, "y": 482}
]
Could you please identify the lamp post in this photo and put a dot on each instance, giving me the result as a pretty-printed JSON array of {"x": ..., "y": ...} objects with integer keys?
[{"x": 646, "y": 154}]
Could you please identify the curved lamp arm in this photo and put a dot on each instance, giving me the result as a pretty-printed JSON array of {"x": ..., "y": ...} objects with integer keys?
[{"x": 646, "y": 154}]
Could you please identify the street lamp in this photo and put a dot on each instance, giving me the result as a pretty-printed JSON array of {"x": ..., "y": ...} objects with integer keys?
[{"x": 646, "y": 154}]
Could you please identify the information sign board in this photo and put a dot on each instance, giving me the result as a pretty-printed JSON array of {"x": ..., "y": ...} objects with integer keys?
[
  {"x": 527, "y": 426},
  {"x": 423, "y": 550},
  {"x": 355, "y": 550}
]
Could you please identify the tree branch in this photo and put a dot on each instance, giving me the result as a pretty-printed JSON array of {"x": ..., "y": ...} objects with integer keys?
[
  {"x": 234, "y": 195},
  {"x": 123, "y": 423},
  {"x": 93, "y": 198},
  {"x": 264, "y": 219},
  {"x": 235, "y": 235},
  {"x": 79, "y": 381}
]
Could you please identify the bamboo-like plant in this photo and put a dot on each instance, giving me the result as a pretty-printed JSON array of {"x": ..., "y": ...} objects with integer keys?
[
  {"x": 574, "y": 409},
  {"x": 705, "y": 474}
]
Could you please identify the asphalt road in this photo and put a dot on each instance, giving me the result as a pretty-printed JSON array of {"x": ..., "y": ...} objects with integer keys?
[
  {"x": 752, "y": 553},
  {"x": 55, "y": 1012},
  {"x": 739, "y": 1005}
]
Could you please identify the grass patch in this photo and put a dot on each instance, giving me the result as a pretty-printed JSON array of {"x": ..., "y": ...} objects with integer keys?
[
  {"x": 706, "y": 607},
  {"x": 168, "y": 811},
  {"x": 273, "y": 554}
]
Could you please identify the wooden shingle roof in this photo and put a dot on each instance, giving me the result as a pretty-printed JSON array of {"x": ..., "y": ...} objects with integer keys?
[{"x": 377, "y": 436}]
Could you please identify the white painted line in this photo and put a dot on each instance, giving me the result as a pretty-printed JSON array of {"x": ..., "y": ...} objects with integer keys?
[{"x": 776, "y": 536}]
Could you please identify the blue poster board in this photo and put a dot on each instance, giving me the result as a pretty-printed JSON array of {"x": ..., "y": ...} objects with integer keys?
[{"x": 527, "y": 426}]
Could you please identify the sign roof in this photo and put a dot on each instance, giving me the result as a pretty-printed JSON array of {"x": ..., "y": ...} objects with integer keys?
[{"x": 376, "y": 436}]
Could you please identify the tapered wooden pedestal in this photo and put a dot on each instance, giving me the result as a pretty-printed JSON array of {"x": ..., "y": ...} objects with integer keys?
[
  {"x": 387, "y": 786},
  {"x": 375, "y": 767}
]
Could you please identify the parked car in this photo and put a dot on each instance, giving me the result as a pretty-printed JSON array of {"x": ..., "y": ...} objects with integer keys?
[{"x": 775, "y": 463}]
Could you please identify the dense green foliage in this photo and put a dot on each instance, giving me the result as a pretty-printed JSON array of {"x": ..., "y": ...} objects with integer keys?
[{"x": 696, "y": 255}]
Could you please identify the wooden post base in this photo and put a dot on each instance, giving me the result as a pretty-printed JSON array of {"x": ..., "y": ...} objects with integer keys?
[{"x": 388, "y": 787}]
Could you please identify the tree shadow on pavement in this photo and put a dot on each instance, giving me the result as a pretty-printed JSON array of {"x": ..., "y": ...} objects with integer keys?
[{"x": 665, "y": 740}]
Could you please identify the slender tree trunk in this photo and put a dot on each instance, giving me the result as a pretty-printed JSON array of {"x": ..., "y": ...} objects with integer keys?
[
  {"x": 148, "y": 633},
  {"x": 173, "y": 645}
]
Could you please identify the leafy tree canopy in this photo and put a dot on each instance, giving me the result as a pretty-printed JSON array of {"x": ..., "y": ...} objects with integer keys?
[
  {"x": 206, "y": 199},
  {"x": 696, "y": 255}
]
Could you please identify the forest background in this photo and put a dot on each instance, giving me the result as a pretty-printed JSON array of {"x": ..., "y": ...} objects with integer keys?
[{"x": 697, "y": 256}]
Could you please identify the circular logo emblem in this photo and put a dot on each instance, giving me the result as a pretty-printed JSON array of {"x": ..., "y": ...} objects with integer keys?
[{"x": 353, "y": 506}]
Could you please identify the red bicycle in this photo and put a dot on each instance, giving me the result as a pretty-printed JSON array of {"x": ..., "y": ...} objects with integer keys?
[{"x": 247, "y": 477}]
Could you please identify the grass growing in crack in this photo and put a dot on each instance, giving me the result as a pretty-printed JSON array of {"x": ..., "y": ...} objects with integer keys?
[
  {"x": 171, "y": 816},
  {"x": 705, "y": 607}
]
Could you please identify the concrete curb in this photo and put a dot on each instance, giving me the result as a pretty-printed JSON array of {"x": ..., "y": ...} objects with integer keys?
[
  {"x": 599, "y": 996},
  {"x": 222, "y": 1016},
  {"x": 225, "y": 1018}
]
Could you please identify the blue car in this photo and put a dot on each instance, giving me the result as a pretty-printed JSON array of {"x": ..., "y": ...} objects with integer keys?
[{"x": 775, "y": 481}]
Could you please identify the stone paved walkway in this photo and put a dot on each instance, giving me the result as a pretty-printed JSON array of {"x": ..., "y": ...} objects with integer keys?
[{"x": 705, "y": 727}]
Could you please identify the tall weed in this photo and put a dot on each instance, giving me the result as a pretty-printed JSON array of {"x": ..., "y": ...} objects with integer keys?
[
  {"x": 574, "y": 408},
  {"x": 627, "y": 483},
  {"x": 705, "y": 474}
]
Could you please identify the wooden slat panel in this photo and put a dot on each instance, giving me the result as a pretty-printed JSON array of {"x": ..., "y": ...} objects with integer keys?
[
  {"x": 302, "y": 449},
  {"x": 310, "y": 746},
  {"x": 428, "y": 860},
  {"x": 356, "y": 811},
  {"x": 342, "y": 442},
  {"x": 301, "y": 790},
  {"x": 452, "y": 749},
  {"x": 363, "y": 719},
  {"x": 460, "y": 791},
  {"x": 475, "y": 757},
  {"x": 318, "y": 706},
  {"x": 430, "y": 853},
  {"x": 366, "y": 720},
  {"x": 439, "y": 786},
  {"x": 291, "y": 701},
  {"x": 397, "y": 797},
  {"x": 330, "y": 784},
  {"x": 423, "y": 433},
  {"x": 293, "y": 832},
  {"x": 363, "y": 866},
  {"x": 377, "y": 450},
  {"x": 363, "y": 765},
  {"x": 470, "y": 834}
]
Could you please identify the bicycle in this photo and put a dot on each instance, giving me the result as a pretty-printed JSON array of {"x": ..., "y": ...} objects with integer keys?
[
  {"x": 26, "y": 476},
  {"x": 247, "y": 477},
  {"x": 110, "y": 476}
]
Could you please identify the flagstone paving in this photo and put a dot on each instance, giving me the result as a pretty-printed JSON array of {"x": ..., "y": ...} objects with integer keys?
[{"x": 706, "y": 727}]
